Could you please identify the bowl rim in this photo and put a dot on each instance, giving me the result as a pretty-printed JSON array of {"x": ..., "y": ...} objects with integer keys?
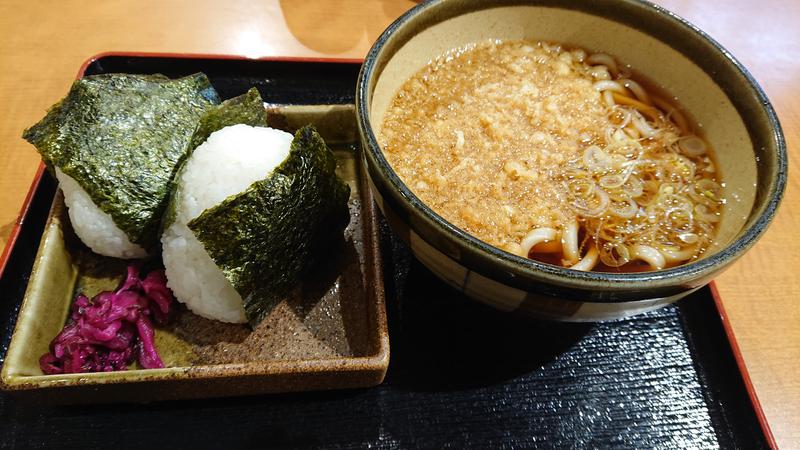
[{"x": 543, "y": 272}]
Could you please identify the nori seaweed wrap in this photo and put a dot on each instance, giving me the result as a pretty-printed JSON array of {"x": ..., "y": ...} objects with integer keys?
[
  {"x": 261, "y": 237},
  {"x": 121, "y": 137}
]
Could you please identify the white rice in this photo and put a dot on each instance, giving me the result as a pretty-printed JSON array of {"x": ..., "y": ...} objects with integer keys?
[
  {"x": 93, "y": 226},
  {"x": 226, "y": 164}
]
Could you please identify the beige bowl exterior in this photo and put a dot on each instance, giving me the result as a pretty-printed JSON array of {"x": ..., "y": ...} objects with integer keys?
[{"x": 720, "y": 95}]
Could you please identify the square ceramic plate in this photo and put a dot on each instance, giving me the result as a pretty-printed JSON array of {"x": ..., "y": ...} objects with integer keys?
[{"x": 330, "y": 334}]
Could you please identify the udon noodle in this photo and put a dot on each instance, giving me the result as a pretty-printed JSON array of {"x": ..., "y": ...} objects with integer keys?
[{"x": 556, "y": 155}]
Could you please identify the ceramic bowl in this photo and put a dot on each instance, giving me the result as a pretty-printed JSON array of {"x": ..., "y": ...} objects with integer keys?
[{"x": 715, "y": 88}]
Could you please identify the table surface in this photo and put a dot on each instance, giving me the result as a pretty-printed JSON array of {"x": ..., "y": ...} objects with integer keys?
[{"x": 42, "y": 45}]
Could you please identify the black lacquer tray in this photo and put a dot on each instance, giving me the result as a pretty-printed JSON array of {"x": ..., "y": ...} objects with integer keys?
[{"x": 461, "y": 374}]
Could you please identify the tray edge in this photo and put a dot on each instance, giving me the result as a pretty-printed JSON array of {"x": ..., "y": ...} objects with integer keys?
[{"x": 740, "y": 364}]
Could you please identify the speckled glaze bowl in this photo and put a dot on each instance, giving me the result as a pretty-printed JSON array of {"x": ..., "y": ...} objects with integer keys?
[{"x": 718, "y": 92}]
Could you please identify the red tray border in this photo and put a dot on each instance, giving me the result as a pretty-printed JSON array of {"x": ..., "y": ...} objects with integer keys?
[
  {"x": 751, "y": 392},
  {"x": 737, "y": 354}
]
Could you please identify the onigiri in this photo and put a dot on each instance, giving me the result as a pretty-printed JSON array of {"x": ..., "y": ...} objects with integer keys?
[
  {"x": 227, "y": 163},
  {"x": 115, "y": 143},
  {"x": 251, "y": 211}
]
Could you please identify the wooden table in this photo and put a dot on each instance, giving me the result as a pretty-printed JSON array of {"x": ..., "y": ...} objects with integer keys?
[{"x": 42, "y": 44}]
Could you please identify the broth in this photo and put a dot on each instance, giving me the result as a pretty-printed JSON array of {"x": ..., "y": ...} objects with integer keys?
[{"x": 554, "y": 154}]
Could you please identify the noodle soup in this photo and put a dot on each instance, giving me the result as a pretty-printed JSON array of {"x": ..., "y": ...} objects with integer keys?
[{"x": 556, "y": 155}]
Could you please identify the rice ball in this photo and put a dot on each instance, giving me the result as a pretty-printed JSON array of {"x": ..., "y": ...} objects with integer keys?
[{"x": 227, "y": 163}]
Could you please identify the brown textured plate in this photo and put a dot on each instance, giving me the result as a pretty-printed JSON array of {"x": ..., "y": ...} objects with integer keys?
[{"x": 330, "y": 333}]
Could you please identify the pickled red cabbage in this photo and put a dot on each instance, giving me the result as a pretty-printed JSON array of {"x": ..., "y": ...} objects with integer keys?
[{"x": 113, "y": 329}]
